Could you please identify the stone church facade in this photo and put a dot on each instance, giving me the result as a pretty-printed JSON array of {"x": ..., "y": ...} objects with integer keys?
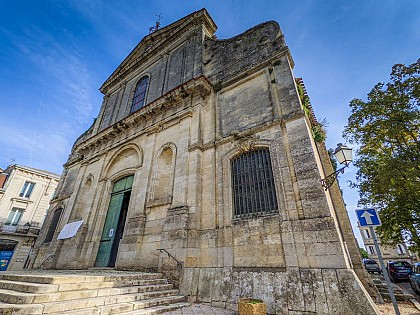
[{"x": 202, "y": 150}]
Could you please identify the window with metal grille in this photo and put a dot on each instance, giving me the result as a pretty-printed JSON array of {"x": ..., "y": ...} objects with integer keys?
[
  {"x": 253, "y": 183},
  {"x": 53, "y": 225},
  {"x": 140, "y": 94}
]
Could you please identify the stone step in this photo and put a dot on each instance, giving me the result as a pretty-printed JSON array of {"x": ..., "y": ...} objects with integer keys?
[
  {"x": 398, "y": 297},
  {"x": 59, "y": 307},
  {"x": 135, "y": 289},
  {"x": 82, "y": 294},
  {"x": 141, "y": 304},
  {"x": 16, "y": 297},
  {"x": 86, "y": 311},
  {"x": 20, "y": 309},
  {"x": 86, "y": 293},
  {"x": 28, "y": 287},
  {"x": 150, "y": 306},
  {"x": 157, "y": 309},
  {"x": 125, "y": 307},
  {"x": 78, "y": 278},
  {"x": 109, "y": 284}
]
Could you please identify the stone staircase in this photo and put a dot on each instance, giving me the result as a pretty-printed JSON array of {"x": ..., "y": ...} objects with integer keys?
[
  {"x": 87, "y": 293},
  {"x": 399, "y": 294}
]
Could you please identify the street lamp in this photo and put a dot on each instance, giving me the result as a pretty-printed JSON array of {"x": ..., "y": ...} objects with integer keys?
[{"x": 344, "y": 155}]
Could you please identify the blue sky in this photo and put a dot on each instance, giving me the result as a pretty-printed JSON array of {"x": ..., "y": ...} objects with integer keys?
[{"x": 56, "y": 54}]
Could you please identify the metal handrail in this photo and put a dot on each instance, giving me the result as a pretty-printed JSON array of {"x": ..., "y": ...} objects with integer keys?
[
  {"x": 41, "y": 266},
  {"x": 169, "y": 255}
]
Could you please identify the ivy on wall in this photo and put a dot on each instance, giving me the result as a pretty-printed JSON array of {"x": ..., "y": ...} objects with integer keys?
[{"x": 319, "y": 133}]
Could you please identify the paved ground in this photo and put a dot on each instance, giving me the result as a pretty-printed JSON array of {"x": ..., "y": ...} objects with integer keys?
[{"x": 201, "y": 309}]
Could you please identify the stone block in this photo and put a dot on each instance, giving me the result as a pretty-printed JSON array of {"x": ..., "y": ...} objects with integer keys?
[
  {"x": 204, "y": 289},
  {"x": 295, "y": 300}
]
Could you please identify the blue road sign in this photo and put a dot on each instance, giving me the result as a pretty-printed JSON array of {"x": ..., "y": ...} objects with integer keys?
[{"x": 368, "y": 217}]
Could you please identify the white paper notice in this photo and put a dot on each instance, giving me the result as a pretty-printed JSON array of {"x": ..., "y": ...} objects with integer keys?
[{"x": 70, "y": 230}]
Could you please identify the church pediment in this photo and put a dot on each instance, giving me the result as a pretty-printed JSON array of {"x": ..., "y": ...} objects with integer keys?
[{"x": 156, "y": 41}]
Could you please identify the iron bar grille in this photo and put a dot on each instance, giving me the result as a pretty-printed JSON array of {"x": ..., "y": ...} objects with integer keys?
[
  {"x": 53, "y": 225},
  {"x": 253, "y": 183}
]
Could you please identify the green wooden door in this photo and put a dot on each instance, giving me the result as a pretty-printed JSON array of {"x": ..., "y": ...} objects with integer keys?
[
  {"x": 111, "y": 221},
  {"x": 108, "y": 233}
]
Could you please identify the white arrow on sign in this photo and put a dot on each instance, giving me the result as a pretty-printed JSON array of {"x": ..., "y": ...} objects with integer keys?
[{"x": 367, "y": 216}]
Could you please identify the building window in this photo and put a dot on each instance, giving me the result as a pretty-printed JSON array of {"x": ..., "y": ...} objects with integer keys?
[
  {"x": 53, "y": 225},
  {"x": 371, "y": 250},
  {"x": 400, "y": 249},
  {"x": 140, "y": 94},
  {"x": 253, "y": 183},
  {"x": 367, "y": 234},
  {"x": 27, "y": 189},
  {"x": 14, "y": 217}
]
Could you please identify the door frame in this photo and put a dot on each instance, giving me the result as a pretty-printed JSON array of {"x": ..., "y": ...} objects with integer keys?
[{"x": 105, "y": 207}]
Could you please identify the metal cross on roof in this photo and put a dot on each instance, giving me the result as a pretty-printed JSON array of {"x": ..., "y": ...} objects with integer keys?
[{"x": 157, "y": 26}]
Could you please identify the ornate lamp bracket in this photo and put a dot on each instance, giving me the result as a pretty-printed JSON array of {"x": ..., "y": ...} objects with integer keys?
[
  {"x": 344, "y": 155},
  {"x": 330, "y": 179}
]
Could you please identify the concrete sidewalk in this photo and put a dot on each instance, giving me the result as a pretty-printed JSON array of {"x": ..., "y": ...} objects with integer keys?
[{"x": 201, "y": 309}]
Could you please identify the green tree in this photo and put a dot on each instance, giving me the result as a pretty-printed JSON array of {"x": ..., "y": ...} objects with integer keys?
[
  {"x": 363, "y": 253},
  {"x": 386, "y": 128}
]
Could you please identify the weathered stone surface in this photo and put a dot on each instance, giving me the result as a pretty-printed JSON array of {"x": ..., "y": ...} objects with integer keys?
[
  {"x": 296, "y": 291},
  {"x": 87, "y": 293},
  {"x": 181, "y": 147},
  {"x": 223, "y": 59},
  {"x": 238, "y": 106}
]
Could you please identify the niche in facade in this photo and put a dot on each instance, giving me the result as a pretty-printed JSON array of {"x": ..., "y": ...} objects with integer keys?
[{"x": 164, "y": 175}]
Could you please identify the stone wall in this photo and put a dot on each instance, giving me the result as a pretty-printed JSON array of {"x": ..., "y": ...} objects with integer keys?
[
  {"x": 295, "y": 291},
  {"x": 224, "y": 59},
  {"x": 179, "y": 149}
]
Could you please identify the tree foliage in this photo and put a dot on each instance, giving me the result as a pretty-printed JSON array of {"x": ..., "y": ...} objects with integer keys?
[
  {"x": 386, "y": 127},
  {"x": 363, "y": 253}
]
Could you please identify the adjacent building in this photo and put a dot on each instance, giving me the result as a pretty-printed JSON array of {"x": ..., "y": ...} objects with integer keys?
[
  {"x": 204, "y": 149},
  {"x": 25, "y": 194},
  {"x": 389, "y": 252}
]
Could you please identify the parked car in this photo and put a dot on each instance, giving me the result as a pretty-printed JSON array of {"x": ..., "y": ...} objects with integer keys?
[
  {"x": 398, "y": 270},
  {"x": 415, "y": 278},
  {"x": 371, "y": 266}
]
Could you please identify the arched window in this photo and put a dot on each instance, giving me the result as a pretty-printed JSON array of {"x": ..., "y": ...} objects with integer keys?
[
  {"x": 140, "y": 94},
  {"x": 53, "y": 225},
  {"x": 253, "y": 183}
]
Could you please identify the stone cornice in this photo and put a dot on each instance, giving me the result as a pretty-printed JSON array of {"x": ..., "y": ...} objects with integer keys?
[
  {"x": 195, "y": 87},
  {"x": 232, "y": 138},
  {"x": 59, "y": 199},
  {"x": 33, "y": 171},
  {"x": 73, "y": 159},
  {"x": 22, "y": 200},
  {"x": 159, "y": 126}
]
